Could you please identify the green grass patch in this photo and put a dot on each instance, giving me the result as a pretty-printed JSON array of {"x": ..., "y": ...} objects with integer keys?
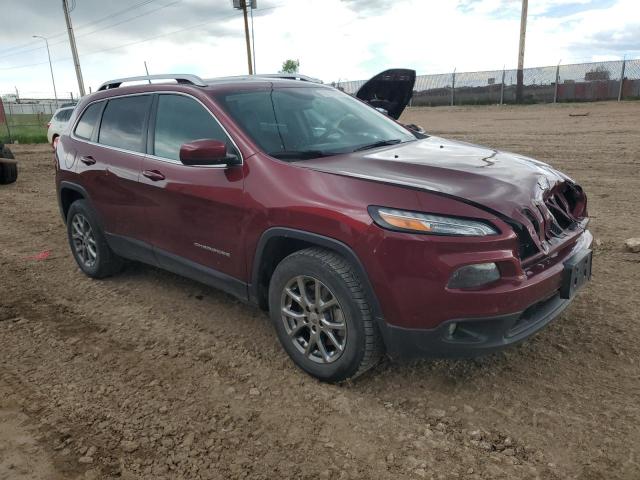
[{"x": 26, "y": 129}]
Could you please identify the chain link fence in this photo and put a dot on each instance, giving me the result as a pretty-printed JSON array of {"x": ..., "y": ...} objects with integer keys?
[
  {"x": 26, "y": 120},
  {"x": 581, "y": 82}
]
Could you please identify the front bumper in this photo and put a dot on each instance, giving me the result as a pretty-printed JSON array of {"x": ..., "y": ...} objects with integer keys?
[
  {"x": 474, "y": 337},
  {"x": 464, "y": 336}
]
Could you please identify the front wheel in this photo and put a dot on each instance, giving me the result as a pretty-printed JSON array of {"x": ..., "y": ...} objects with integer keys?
[{"x": 321, "y": 315}]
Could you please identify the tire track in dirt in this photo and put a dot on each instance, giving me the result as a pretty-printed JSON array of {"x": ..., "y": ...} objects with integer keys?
[
  {"x": 136, "y": 361},
  {"x": 195, "y": 384}
]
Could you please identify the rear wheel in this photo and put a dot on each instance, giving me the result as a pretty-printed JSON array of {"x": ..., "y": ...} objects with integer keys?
[
  {"x": 6, "y": 153},
  {"x": 8, "y": 172},
  {"x": 322, "y": 317},
  {"x": 88, "y": 244}
]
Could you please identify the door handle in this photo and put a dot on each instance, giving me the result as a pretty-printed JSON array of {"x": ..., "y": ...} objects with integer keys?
[
  {"x": 88, "y": 160},
  {"x": 153, "y": 175}
]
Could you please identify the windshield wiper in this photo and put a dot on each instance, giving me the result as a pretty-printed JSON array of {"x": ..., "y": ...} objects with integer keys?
[
  {"x": 298, "y": 154},
  {"x": 381, "y": 143}
]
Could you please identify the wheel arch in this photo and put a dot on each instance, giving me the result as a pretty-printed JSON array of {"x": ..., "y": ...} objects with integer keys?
[
  {"x": 277, "y": 243},
  {"x": 68, "y": 193}
]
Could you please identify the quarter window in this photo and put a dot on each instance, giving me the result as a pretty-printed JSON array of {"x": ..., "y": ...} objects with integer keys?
[
  {"x": 63, "y": 115},
  {"x": 181, "y": 120},
  {"x": 84, "y": 128},
  {"x": 123, "y": 123}
]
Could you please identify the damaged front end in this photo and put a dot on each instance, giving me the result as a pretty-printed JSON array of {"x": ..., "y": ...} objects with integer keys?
[{"x": 556, "y": 215}]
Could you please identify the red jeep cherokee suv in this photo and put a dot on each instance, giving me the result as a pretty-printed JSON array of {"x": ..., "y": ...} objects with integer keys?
[{"x": 359, "y": 235}]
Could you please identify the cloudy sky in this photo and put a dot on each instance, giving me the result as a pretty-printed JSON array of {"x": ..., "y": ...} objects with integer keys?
[{"x": 333, "y": 39}]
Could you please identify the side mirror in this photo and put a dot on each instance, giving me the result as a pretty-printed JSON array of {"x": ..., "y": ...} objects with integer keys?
[{"x": 205, "y": 152}]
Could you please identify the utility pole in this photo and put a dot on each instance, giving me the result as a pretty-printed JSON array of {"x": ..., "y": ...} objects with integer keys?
[
  {"x": 253, "y": 38},
  {"x": 53, "y": 80},
  {"x": 242, "y": 5},
  {"x": 246, "y": 34},
  {"x": 74, "y": 50},
  {"x": 523, "y": 33}
]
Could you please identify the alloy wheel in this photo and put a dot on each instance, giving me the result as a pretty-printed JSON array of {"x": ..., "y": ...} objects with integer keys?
[
  {"x": 84, "y": 242},
  {"x": 313, "y": 319}
]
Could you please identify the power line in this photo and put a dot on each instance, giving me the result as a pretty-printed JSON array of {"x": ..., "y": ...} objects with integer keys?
[
  {"x": 198, "y": 25},
  {"x": 129, "y": 19},
  {"x": 132, "y": 7},
  {"x": 85, "y": 25},
  {"x": 8, "y": 49},
  {"x": 114, "y": 14}
]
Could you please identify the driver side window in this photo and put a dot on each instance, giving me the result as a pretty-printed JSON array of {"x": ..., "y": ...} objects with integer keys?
[{"x": 179, "y": 120}]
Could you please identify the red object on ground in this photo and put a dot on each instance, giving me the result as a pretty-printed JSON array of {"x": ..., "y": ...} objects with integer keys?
[{"x": 40, "y": 256}]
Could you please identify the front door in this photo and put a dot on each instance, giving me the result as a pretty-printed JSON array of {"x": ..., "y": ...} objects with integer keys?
[{"x": 194, "y": 213}]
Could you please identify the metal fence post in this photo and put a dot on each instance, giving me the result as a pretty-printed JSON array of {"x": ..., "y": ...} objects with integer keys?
[
  {"x": 624, "y": 64},
  {"x": 453, "y": 86},
  {"x": 555, "y": 93},
  {"x": 502, "y": 87},
  {"x": 8, "y": 128}
]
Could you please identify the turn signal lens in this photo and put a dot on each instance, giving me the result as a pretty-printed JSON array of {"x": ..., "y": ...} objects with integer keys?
[{"x": 405, "y": 223}]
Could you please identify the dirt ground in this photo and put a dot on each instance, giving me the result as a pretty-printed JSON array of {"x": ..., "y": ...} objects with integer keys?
[{"x": 148, "y": 375}]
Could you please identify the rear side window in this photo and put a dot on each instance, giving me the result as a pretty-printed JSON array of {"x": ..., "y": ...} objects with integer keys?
[
  {"x": 180, "y": 120},
  {"x": 123, "y": 123},
  {"x": 84, "y": 128},
  {"x": 65, "y": 115}
]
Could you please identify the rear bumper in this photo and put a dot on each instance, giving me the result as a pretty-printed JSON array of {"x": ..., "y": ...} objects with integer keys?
[{"x": 467, "y": 338}]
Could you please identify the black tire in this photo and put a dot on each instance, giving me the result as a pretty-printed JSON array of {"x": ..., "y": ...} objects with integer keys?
[
  {"x": 8, "y": 173},
  {"x": 106, "y": 262},
  {"x": 362, "y": 348},
  {"x": 6, "y": 153}
]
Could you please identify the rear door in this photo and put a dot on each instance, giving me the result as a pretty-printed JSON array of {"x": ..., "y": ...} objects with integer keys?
[
  {"x": 109, "y": 160},
  {"x": 194, "y": 213}
]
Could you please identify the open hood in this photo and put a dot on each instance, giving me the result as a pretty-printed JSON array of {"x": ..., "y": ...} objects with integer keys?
[{"x": 390, "y": 90}]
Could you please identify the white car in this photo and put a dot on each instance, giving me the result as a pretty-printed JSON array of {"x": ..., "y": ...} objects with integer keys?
[{"x": 57, "y": 123}]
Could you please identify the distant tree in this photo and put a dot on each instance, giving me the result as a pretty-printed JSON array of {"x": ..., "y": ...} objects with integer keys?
[
  {"x": 598, "y": 73},
  {"x": 290, "y": 66}
]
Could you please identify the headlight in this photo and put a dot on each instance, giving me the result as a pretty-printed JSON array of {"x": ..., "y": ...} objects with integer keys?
[{"x": 404, "y": 221}]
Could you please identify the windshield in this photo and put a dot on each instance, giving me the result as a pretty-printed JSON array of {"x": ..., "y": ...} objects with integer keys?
[{"x": 307, "y": 122}]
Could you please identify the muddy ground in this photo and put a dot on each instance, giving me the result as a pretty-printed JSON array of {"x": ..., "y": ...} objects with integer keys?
[{"x": 148, "y": 375}]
